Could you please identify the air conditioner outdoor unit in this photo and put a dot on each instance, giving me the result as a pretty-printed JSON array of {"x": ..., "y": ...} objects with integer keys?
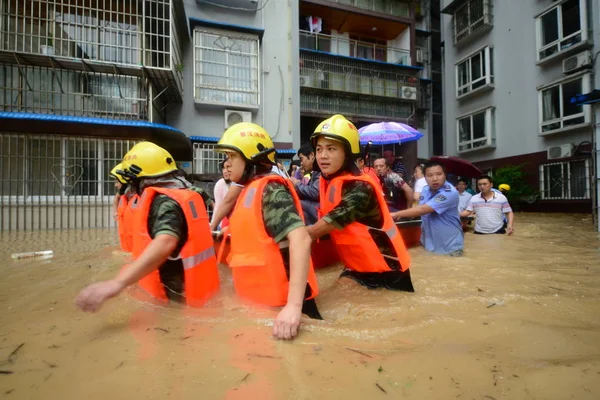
[
  {"x": 577, "y": 62},
  {"x": 419, "y": 55},
  {"x": 306, "y": 80},
  {"x": 233, "y": 117},
  {"x": 562, "y": 151},
  {"x": 408, "y": 93}
]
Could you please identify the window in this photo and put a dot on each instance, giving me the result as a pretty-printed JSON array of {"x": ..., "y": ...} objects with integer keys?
[
  {"x": 565, "y": 180},
  {"x": 226, "y": 68},
  {"x": 557, "y": 112},
  {"x": 47, "y": 167},
  {"x": 474, "y": 72},
  {"x": 561, "y": 28},
  {"x": 476, "y": 130},
  {"x": 471, "y": 16}
]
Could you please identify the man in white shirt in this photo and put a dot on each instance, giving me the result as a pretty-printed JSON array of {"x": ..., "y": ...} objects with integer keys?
[
  {"x": 490, "y": 208},
  {"x": 465, "y": 196},
  {"x": 420, "y": 182}
]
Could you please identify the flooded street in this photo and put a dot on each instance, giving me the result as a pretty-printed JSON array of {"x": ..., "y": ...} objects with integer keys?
[{"x": 516, "y": 318}]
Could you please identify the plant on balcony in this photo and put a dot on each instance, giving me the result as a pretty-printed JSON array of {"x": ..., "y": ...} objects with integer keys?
[
  {"x": 179, "y": 67},
  {"x": 516, "y": 177}
]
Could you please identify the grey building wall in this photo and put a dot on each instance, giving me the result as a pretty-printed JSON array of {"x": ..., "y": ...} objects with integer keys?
[
  {"x": 279, "y": 111},
  {"x": 517, "y": 77}
]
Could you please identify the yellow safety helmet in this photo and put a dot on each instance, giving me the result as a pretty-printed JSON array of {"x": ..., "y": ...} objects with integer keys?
[
  {"x": 504, "y": 187},
  {"x": 113, "y": 173},
  {"x": 340, "y": 129},
  {"x": 250, "y": 140},
  {"x": 147, "y": 160}
]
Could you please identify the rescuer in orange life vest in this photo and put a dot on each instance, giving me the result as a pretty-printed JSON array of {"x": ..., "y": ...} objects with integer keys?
[
  {"x": 268, "y": 269},
  {"x": 173, "y": 251},
  {"x": 354, "y": 212},
  {"x": 124, "y": 203}
]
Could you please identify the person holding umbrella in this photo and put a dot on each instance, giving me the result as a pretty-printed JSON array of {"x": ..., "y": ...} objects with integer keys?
[{"x": 441, "y": 229}]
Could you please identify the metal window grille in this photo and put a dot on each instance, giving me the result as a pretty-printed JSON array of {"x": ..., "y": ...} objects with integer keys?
[
  {"x": 101, "y": 30},
  {"x": 565, "y": 180},
  {"x": 67, "y": 92},
  {"x": 53, "y": 182},
  {"x": 392, "y": 7},
  {"x": 470, "y": 17},
  {"x": 321, "y": 71},
  {"x": 206, "y": 159},
  {"x": 317, "y": 104},
  {"x": 353, "y": 48},
  {"x": 226, "y": 68}
]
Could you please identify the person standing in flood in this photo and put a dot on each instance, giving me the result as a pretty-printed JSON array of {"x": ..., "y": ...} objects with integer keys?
[
  {"x": 355, "y": 213},
  {"x": 270, "y": 247},
  {"x": 491, "y": 206},
  {"x": 441, "y": 229},
  {"x": 308, "y": 191},
  {"x": 173, "y": 254}
]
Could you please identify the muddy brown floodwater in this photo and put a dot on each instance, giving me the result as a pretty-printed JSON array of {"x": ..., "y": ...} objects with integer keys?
[{"x": 516, "y": 318}]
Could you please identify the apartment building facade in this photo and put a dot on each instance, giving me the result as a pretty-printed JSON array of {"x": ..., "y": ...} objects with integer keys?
[
  {"x": 314, "y": 58},
  {"x": 83, "y": 80},
  {"x": 80, "y": 82},
  {"x": 511, "y": 69}
]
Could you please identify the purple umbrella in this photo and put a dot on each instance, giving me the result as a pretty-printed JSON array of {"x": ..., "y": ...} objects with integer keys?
[{"x": 388, "y": 133}]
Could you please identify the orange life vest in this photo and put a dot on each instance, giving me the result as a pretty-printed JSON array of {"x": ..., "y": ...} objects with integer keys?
[
  {"x": 125, "y": 220},
  {"x": 125, "y": 216},
  {"x": 255, "y": 259},
  {"x": 354, "y": 243},
  {"x": 198, "y": 255}
]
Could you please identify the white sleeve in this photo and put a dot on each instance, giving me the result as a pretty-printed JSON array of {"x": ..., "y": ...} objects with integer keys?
[{"x": 420, "y": 184}]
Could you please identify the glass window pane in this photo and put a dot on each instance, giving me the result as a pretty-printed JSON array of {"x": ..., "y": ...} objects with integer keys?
[
  {"x": 550, "y": 27},
  {"x": 12, "y": 165},
  {"x": 463, "y": 73},
  {"x": 464, "y": 129},
  {"x": 479, "y": 125},
  {"x": 571, "y": 89},
  {"x": 476, "y": 70},
  {"x": 45, "y": 166},
  {"x": 578, "y": 181},
  {"x": 570, "y": 17},
  {"x": 551, "y": 103},
  {"x": 555, "y": 184}
]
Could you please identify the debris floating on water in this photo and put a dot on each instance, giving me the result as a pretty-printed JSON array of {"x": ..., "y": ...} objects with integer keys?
[
  {"x": 14, "y": 353},
  {"x": 33, "y": 254},
  {"x": 491, "y": 305},
  {"x": 359, "y": 352},
  {"x": 380, "y": 388}
]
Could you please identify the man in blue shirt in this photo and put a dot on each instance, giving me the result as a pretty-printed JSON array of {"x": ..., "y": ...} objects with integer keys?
[{"x": 441, "y": 230}]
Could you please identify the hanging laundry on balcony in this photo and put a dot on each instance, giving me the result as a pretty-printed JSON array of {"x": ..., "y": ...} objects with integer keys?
[{"x": 315, "y": 24}]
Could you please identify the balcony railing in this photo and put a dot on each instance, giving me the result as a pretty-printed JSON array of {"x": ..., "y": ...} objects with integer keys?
[
  {"x": 353, "y": 48},
  {"x": 109, "y": 33},
  {"x": 322, "y": 71},
  {"x": 397, "y": 8},
  {"x": 66, "y": 92},
  {"x": 324, "y": 104}
]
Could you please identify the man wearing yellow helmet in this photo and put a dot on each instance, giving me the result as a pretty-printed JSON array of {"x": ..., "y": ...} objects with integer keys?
[
  {"x": 356, "y": 215},
  {"x": 268, "y": 269},
  {"x": 173, "y": 252}
]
